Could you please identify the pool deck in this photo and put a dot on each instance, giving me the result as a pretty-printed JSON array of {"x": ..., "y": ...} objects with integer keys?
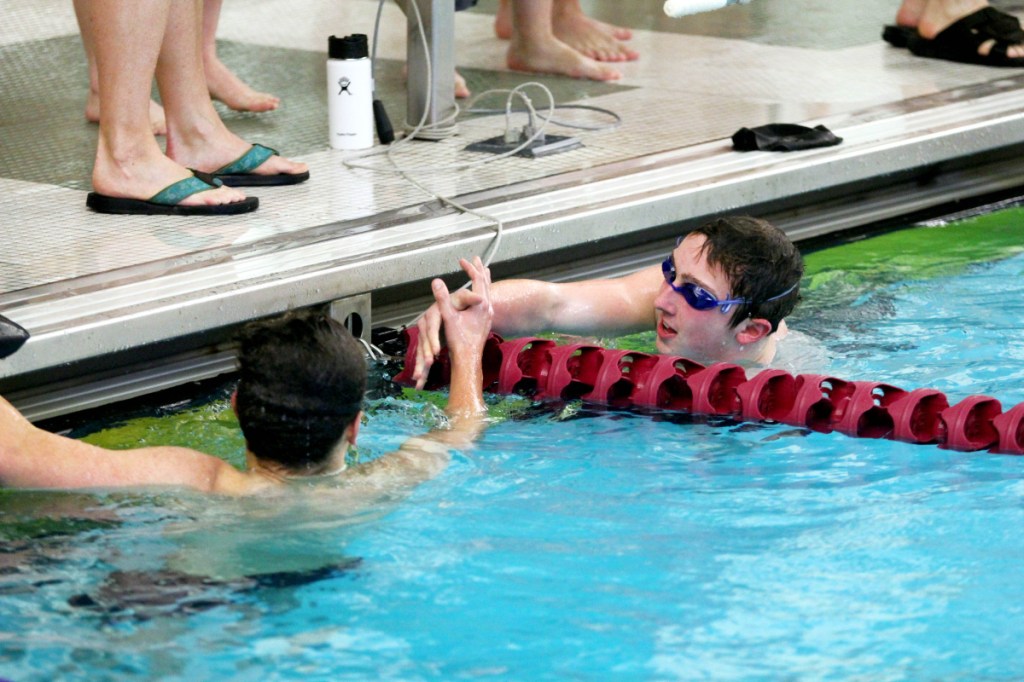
[{"x": 122, "y": 305}]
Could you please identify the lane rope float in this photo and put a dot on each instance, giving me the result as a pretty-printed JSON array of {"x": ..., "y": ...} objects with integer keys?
[{"x": 541, "y": 369}]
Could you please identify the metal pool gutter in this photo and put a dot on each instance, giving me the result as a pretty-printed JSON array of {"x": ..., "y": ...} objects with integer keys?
[{"x": 167, "y": 325}]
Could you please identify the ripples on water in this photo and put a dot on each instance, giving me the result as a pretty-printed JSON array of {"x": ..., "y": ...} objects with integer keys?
[{"x": 571, "y": 542}]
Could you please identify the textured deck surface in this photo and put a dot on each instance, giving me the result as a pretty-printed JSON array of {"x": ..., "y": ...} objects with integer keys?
[{"x": 89, "y": 285}]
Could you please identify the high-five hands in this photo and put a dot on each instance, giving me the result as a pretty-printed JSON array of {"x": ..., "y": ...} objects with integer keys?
[{"x": 448, "y": 309}]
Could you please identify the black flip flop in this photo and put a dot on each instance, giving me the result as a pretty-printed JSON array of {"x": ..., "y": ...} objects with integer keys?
[
  {"x": 167, "y": 201},
  {"x": 959, "y": 42}
]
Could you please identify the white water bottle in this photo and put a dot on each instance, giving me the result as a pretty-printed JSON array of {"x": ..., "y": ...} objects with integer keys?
[
  {"x": 680, "y": 8},
  {"x": 349, "y": 92}
]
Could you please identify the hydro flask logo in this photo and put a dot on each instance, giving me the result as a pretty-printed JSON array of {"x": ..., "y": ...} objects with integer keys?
[{"x": 344, "y": 82}]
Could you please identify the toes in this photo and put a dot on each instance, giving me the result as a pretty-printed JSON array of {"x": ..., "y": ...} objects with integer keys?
[
  {"x": 605, "y": 74},
  {"x": 461, "y": 90},
  {"x": 1013, "y": 51},
  {"x": 214, "y": 197},
  {"x": 278, "y": 164}
]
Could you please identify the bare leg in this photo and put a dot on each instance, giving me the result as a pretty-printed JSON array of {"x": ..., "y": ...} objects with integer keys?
[
  {"x": 503, "y": 23},
  {"x": 535, "y": 48},
  {"x": 224, "y": 85},
  {"x": 910, "y": 12},
  {"x": 129, "y": 162},
  {"x": 196, "y": 136},
  {"x": 92, "y": 101},
  {"x": 931, "y": 17}
]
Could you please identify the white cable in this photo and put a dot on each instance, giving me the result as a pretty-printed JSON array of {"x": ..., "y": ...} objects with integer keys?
[
  {"x": 372, "y": 351},
  {"x": 353, "y": 162},
  {"x": 616, "y": 119},
  {"x": 373, "y": 49},
  {"x": 421, "y": 126}
]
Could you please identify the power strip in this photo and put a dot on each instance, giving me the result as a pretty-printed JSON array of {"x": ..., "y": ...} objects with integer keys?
[{"x": 545, "y": 145}]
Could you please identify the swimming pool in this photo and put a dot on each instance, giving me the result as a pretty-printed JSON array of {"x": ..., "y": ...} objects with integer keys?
[{"x": 581, "y": 543}]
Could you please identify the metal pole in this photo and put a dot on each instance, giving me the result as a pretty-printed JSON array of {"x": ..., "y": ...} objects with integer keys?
[{"x": 438, "y": 101}]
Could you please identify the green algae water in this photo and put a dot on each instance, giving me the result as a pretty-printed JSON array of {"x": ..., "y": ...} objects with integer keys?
[{"x": 580, "y": 543}]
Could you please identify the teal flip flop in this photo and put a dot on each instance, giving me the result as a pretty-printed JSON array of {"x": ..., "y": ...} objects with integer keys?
[
  {"x": 240, "y": 173},
  {"x": 167, "y": 201}
]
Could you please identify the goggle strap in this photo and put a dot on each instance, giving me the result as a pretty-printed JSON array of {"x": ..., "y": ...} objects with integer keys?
[{"x": 787, "y": 292}]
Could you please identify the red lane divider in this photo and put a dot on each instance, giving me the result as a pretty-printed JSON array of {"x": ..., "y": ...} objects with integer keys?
[
  {"x": 865, "y": 414},
  {"x": 917, "y": 416},
  {"x": 1010, "y": 426},
  {"x": 543, "y": 370},
  {"x": 969, "y": 423}
]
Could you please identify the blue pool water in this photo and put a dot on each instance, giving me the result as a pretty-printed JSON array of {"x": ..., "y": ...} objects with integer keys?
[{"x": 575, "y": 543}]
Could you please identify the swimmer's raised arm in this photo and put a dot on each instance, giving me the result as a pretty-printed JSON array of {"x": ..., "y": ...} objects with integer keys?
[
  {"x": 522, "y": 307},
  {"x": 466, "y": 330}
]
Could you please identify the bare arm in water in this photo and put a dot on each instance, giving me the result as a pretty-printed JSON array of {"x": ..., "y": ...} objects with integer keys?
[
  {"x": 600, "y": 307},
  {"x": 33, "y": 458},
  {"x": 466, "y": 330}
]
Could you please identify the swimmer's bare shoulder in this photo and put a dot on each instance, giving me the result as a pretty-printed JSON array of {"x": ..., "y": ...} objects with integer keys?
[{"x": 801, "y": 353}]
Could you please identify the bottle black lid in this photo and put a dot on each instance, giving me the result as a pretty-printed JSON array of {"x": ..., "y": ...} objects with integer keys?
[{"x": 349, "y": 47}]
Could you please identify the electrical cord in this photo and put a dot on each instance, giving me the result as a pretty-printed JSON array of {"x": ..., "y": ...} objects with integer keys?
[
  {"x": 532, "y": 132},
  {"x": 385, "y": 132},
  {"x": 373, "y": 352},
  {"x": 353, "y": 162},
  {"x": 616, "y": 122}
]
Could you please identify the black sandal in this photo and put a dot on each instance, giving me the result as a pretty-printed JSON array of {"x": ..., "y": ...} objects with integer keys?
[
  {"x": 959, "y": 42},
  {"x": 898, "y": 36}
]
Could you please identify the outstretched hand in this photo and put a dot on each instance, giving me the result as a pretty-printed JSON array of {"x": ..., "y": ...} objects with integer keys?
[
  {"x": 430, "y": 322},
  {"x": 467, "y": 314},
  {"x": 466, "y": 329}
]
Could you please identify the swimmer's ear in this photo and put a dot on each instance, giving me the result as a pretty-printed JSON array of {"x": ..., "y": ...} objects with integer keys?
[
  {"x": 353, "y": 429},
  {"x": 752, "y": 330}
]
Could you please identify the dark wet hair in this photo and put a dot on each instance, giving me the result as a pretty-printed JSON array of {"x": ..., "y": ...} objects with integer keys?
[
  {"x": 760, "y": 261},
  {"x": 301, "y": 383}
]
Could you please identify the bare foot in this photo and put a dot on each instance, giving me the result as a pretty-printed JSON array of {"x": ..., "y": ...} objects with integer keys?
[
  {"x": 156, "y": 113},
  {"x": 587, "y": 36},
  {"x": 937, "y": 15},
  {"x": 145, "y": 174},
  {"x": 909, "y": 13},
  {"x": 503, "y": 22},
  {"x": 554, "y": 56},
  {"x": 617, "y": 32},
  {"x": 225, "y": 86},
  {"x": 461, "y": 89},
  {"x": 217, "y": 147}
]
